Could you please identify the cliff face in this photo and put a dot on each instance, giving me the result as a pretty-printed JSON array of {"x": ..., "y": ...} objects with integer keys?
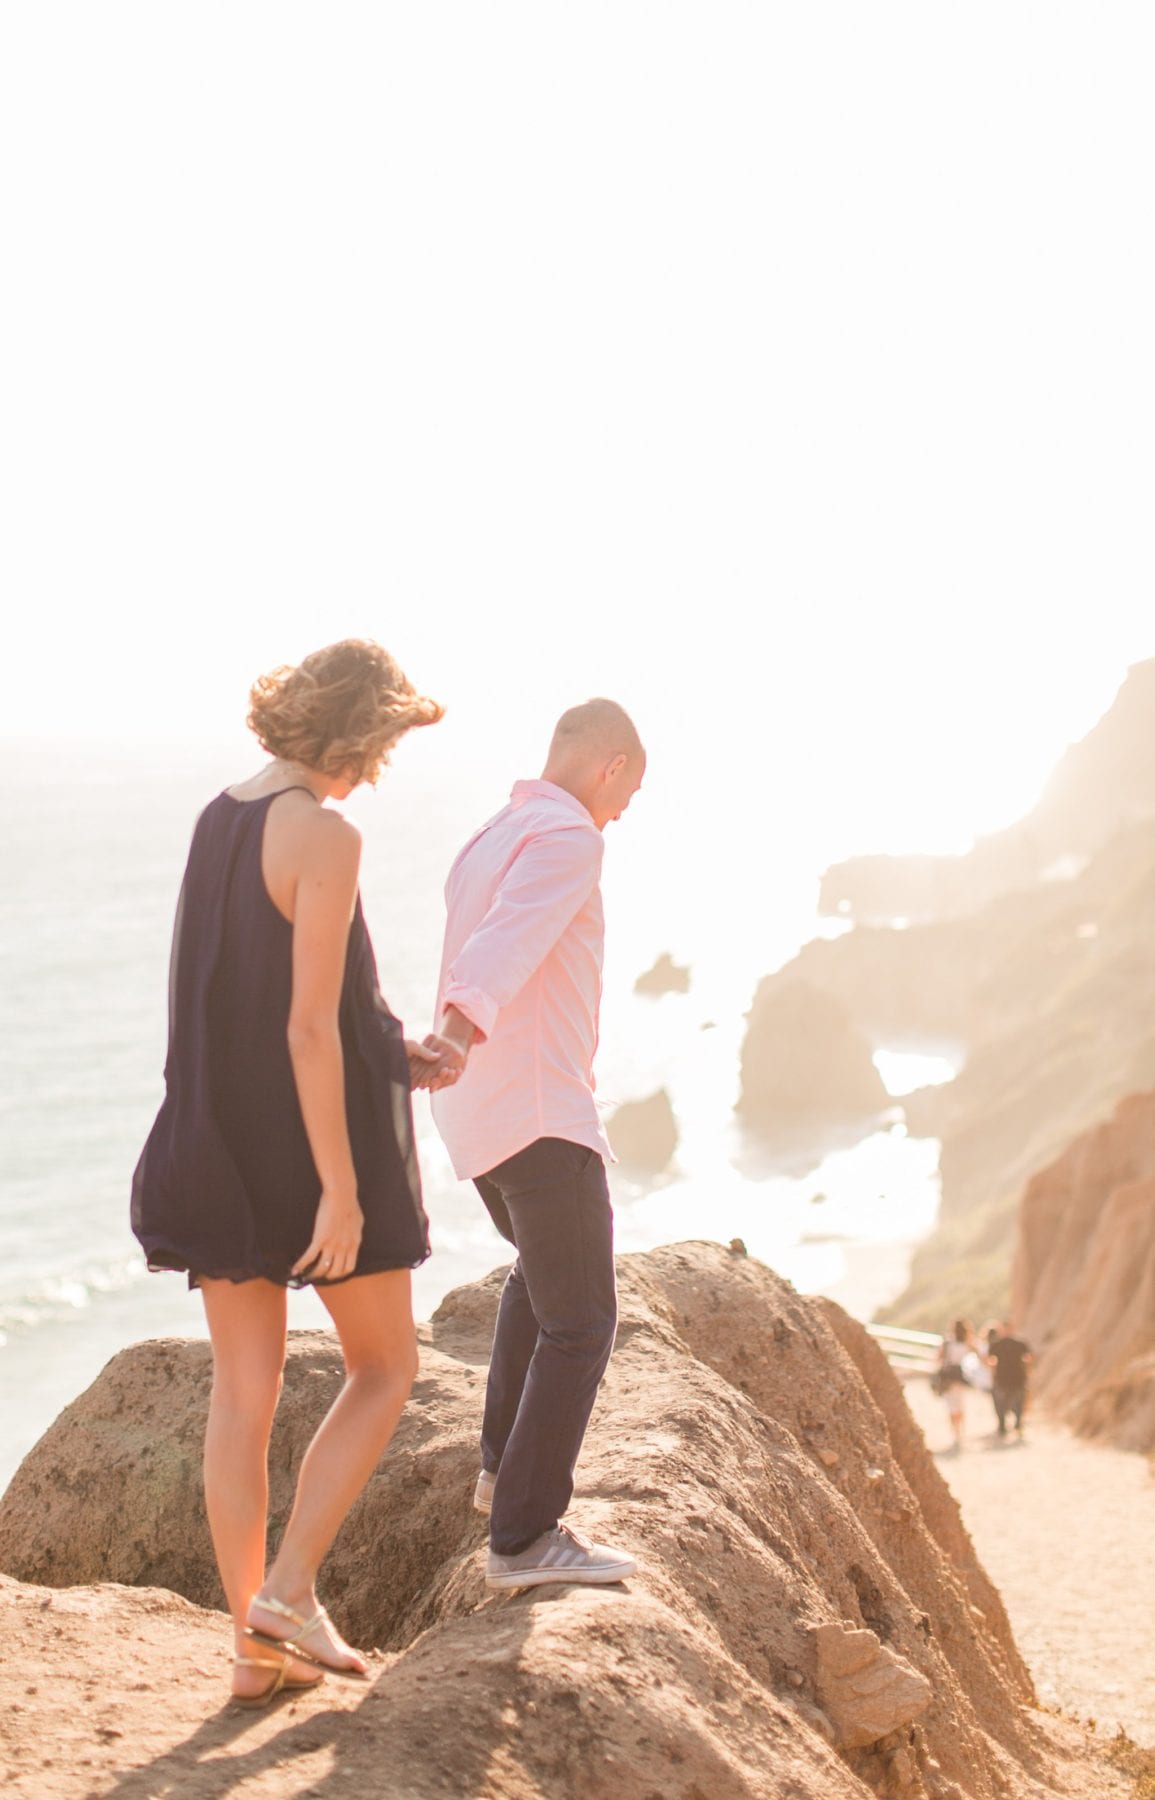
[
  {"x": 1052, "y": 993},
  {"x": 1084, "y": 1278},
  {"x": 1102, "y": 784},
  {"x": 1070, "y": 1032},
  {"x": 1038, "y": 964},
  {"x": 809, "y": 1619}
]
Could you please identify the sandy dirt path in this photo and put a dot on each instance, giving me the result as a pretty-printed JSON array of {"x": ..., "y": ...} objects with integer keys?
[{"x": 1066, "y": 1530}]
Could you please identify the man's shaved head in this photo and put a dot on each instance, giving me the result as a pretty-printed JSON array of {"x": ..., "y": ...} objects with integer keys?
[
  {"x": 596, "y": 728},
  {"x": 597, "y": 755}
]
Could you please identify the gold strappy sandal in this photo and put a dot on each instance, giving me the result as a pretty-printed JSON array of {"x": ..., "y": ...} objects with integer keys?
[
  {"x": 280, "y": 1686},
  {"x": 302, "y": 1628}
]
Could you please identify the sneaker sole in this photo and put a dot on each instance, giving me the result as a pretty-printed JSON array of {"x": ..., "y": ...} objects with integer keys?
[{"x": 596, "y": 1577}]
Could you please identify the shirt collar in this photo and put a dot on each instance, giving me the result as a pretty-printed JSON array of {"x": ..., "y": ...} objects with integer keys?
[{"x": 548, "y": 790}]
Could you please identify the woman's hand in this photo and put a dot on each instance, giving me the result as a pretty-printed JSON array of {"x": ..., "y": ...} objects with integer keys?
[
  {"x": 435, "y": 1063},
  {"x": 422, "y": 1063},
  {"x": 332, "y": 1252}
]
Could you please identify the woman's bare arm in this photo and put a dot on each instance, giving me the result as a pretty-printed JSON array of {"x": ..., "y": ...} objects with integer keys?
[{"x": 326, "y": 889}]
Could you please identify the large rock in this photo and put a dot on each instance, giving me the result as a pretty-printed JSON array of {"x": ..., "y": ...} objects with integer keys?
[
  {"x": 866, "y": 1690},
  {"x": 737, "y": 1448},
  {"x": 113, "y": 1491},
  {"x": 806, "y": 1068},
  {"x": 1084, "y": 1278},
  {"x": 665, "y": 977},
  {"x": 644, "y": 1133},
  {"x": 115, "y": 1691}
]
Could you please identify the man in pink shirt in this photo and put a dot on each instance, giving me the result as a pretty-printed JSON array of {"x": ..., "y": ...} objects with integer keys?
[{"x": 518, "y": 1007}]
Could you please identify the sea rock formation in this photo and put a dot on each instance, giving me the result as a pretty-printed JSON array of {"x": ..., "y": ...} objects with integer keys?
[
  {"x": 1084, "y": 1278},
  {"x": 644, "y": 1133},
  {"x": 665, "y": 977},
  {"x": 807, "y": 1621},
  {"x": 1100, "y": 787},
  {"x": 806, "y": 1067}
]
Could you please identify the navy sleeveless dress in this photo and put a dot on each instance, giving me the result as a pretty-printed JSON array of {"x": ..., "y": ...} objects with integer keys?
[{"x": 226, "y": 1185}]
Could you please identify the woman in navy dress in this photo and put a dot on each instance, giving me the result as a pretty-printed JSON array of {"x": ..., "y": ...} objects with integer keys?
[{"x": 283, "y": 1152}]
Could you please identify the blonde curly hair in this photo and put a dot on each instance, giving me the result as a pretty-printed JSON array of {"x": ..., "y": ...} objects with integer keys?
[{"x": 340, "y": 711}]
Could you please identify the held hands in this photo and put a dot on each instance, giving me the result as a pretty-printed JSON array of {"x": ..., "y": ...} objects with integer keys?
[
  {"x": 435, "y": 1063},
  {"x": 332, "y": 1252}
]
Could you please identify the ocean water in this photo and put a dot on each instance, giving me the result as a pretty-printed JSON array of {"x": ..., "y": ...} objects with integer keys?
[{"x": 95, "y": 846}]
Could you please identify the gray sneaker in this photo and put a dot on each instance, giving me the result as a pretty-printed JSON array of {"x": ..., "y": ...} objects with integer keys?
[
  {"x": 483, "y": 1492},
  {"x": 560, "y": 1555}
]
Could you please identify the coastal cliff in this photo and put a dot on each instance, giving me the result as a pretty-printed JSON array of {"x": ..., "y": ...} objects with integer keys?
[
  {"x": 1038, "y": 970},
  {"x": 1084, "y": 1279},
  {"x": 809, "y": 1618},
  {"x": 1101, "y": 785}
]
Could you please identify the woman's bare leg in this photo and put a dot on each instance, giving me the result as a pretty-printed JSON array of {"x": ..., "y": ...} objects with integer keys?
[
  {"x": 247, "y": 1326},
  {"x": 957, "y": 1423},
  {"x": 373, "y": 1315}
]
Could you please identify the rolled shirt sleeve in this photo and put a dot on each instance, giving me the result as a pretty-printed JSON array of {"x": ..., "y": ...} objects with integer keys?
[{"x": 545, "y": 886}]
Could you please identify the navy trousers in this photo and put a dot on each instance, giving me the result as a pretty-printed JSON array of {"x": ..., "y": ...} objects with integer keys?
[
  {"x": 1010, "y": 1402},
  {"x": 554, "y": 1334}
]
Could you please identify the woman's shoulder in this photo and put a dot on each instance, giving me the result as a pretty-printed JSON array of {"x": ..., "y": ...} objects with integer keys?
[
  {"x": 316, "y": 840},
  {"x": 329, "y": 832}
]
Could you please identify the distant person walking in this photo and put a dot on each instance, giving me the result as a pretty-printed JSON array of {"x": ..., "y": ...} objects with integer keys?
[
  {"x": 1009, "y": 1358},
  {"x": 981, "y": 1377},
  {"x": 519, "y": 992},
  {"x": 951, "y": 1379},
  {"x": 283, "y": 1152}
]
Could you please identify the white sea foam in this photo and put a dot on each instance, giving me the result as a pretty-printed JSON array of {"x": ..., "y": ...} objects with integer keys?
[{"x": 59, "y": 1296}]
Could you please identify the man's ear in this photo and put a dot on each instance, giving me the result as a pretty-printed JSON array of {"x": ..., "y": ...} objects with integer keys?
[{"x": 615, "y": 766}]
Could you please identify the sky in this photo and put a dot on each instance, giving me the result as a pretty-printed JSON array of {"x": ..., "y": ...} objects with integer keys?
[{"x": 784, "y": 371}]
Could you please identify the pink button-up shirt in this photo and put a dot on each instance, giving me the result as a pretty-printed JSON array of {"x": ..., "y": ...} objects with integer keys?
[{"x": 523, "y": 961}]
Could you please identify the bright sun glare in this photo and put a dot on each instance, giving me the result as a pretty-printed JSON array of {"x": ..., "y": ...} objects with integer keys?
[{"x": 809, "y": 444}]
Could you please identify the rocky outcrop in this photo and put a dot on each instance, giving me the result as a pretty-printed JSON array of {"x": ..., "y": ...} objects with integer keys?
[
  {"x": 1050, "y": 992},
  {"x": 807, "y": 1069},
  {"x": 1033, "y": 954},
  {"x": 1066, "y": 1033},
  {"x": 1100, "y": 787},
  {"x": 644, "y": 1133},
  {"x": 115, "y": 1691},
  {"x": 800, "y": 1624},
  {"x": 1084, "y": 1278},
  {"x": 666, "y": 977}
]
